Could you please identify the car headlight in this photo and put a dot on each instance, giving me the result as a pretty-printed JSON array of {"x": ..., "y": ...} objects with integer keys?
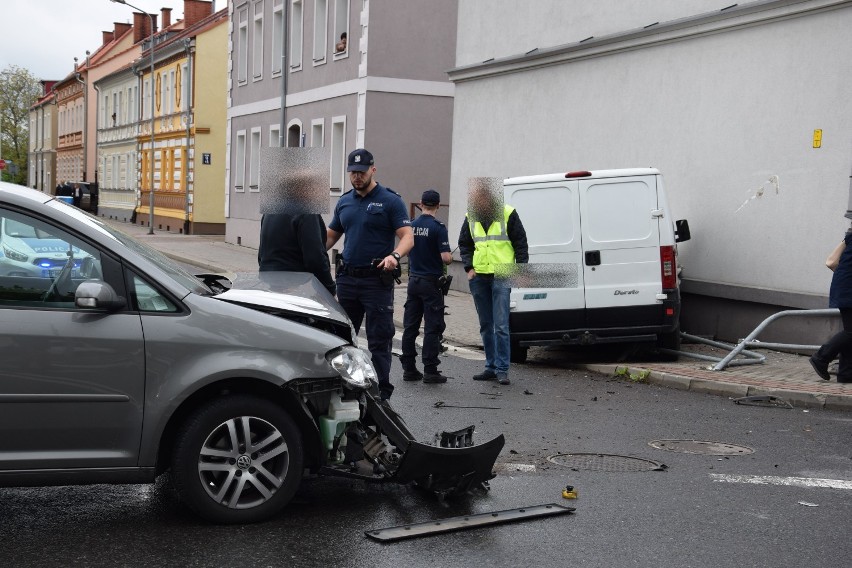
[
  {"x": 353, "y": 364},
  {"x": 15, "y": 255}
]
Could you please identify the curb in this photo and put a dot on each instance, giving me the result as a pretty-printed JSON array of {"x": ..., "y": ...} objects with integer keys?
[{"x": 799, "y": 399}]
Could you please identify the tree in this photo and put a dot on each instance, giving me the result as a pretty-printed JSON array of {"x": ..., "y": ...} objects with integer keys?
[{"x": 19, "y": 90}]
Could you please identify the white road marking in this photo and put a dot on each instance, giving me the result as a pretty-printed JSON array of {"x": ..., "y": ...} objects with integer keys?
[{"x": 788, "y": 481}]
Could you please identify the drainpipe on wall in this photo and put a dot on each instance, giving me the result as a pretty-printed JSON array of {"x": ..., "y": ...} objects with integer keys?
[
  {"x": 97, "y": 126},
  {"x": 85, "y": 114},
  {"x": 187, "y": 45},
  {"x": 285, "y": 71}
]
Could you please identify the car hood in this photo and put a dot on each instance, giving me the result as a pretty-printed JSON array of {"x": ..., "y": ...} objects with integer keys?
[{"x": 297, "y": 293}]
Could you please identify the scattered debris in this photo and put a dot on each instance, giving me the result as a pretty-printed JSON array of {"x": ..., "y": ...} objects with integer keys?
[
  {"x": 442, "y": 404},
  {"x": 569, "y": 492},
  {"x": 806, "y": 504},
  {"x": 527, "y": 392},
  {"x": 466, "y": 522}
]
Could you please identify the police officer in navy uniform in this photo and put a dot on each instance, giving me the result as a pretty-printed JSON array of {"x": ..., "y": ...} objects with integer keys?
[
  {"x": 372, "y": 217},
  {"x": 425, "y": 299}
]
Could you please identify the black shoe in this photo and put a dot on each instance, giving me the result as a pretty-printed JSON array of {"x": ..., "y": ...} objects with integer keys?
[
  {"x": 435, "y": 377},
  {"x": 414, "y": 375},
  {"x": 485, "y": 376},
  {"x": 821, "y": 370},
  {"x": 503, "y": 379}
]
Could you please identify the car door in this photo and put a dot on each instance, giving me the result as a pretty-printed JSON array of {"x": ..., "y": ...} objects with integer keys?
[
  {"x": 550, "y": 213},
  {"x": 621, "y": 249},
  {"x": 71, "y": 380}
]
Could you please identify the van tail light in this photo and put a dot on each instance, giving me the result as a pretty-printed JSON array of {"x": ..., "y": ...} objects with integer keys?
[
  {"x": 578, "y": 174},
  {"x": 668, "y": 267}
]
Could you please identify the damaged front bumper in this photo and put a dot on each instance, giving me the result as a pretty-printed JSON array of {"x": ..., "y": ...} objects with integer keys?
[{"x": 380, "y": 448}]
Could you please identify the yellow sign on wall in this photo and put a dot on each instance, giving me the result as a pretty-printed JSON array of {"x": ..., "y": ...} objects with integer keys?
[{"x": 818, "y": 138}]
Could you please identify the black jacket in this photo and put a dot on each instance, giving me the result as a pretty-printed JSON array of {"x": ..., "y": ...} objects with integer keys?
[
  {"x": 294, "y": 243},
  {"x": 517, "y": 236}
]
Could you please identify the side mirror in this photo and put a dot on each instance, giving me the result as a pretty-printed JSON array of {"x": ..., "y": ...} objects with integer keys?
[
  {"x": 98, "y": 295},
  {"x": 682, "y": 231}
]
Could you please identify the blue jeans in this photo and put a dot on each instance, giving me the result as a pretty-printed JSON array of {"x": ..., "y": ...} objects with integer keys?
[{"x": 491, "y": 298}]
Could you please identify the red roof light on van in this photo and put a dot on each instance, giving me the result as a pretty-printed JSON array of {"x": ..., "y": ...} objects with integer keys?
[{"x": 578, "y": 174}]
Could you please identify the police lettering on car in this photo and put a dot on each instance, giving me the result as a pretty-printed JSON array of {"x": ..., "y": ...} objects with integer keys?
[
  {"x": 425, "y": 299},
  {"x": 372, "y": 217}
]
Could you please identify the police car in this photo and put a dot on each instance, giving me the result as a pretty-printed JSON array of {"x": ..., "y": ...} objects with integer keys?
[{"x": 27, "y": 251}]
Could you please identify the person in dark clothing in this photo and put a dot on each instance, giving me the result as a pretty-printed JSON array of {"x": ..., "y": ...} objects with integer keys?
[
  {"x": 295, "y": 243},
  {"x": 425, "y": 299},
  {"x": 839, "y": 296},
  {"x": 77, "y": 195},
  {"x": 491, "y": 241}
]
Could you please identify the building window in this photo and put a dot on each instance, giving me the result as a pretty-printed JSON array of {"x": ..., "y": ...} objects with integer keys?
[
  {"x": 320, "y": 31},
  {"x": 294, "y": 134},
  {"x": 341, "y": 28},
  {"x": 338, "y": 153},
  {"x": 257, "y": 41},
  {"x": 317, "y": 131},
  {"x": 240, "y": 173},
  {"x": 274, "y": 136},
  {"x": 277, "y": 36},
  {"x": 296, "y": 35},
  {"x": 184, "y": 87},
  {"x": 242, "y": 47},
  {"x": 254, "y": 168}
]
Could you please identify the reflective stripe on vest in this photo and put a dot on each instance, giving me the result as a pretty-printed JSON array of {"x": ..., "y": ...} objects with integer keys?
[{"x": 493, "y": 247}]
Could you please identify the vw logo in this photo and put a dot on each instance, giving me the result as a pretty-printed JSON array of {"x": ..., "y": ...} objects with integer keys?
[{"x": 243, "y": 462}]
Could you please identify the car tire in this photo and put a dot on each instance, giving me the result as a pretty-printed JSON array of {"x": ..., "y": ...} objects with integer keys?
[
  {"x": 219, "y": 477},
  {"x": 518, "y": 354}
]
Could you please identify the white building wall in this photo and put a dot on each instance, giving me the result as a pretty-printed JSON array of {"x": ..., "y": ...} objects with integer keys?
[{"x": 719, "y": 111}]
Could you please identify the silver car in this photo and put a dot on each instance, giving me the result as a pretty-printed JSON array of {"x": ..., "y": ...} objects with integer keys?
[{"x": 120, "y": 365}]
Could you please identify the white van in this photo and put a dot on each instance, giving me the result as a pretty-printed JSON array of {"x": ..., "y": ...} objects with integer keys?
[{"x": 602, "y": 247}]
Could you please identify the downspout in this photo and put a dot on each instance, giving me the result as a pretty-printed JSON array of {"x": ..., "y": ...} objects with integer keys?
[
  {"x": 187, "y": 45},
  {"x": 85, "y": 116},
  {"x": 285, "y": 71},
  {"x": 97, "y": 126}
]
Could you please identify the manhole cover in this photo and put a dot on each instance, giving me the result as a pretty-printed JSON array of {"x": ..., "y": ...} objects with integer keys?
[
  {"x": 701, "y": 447},
  {"x": 605, "y": 462}
]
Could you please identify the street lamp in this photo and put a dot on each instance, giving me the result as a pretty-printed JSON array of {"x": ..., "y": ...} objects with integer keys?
[{"x": 151, "y": 91}]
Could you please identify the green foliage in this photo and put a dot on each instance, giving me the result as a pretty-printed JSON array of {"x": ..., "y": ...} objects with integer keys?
[
  {"x": 19, "y": 89},
  {"x": 637, "y": 377}
]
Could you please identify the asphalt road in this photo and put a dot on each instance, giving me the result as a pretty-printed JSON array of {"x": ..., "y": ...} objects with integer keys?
[{"x": 698, "y": 511}]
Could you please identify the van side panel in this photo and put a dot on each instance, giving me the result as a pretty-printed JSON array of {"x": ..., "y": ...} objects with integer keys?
[
  {"x": 550, "y": 213},
  {"x": 622, "y": 233}
]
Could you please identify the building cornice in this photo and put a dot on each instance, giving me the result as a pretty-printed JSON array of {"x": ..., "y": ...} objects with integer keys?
[{"x": 727, "y": 19}]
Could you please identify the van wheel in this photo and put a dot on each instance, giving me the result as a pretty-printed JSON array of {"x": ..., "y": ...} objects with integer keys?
[
  {"x": 237, "y": 460},
  {"x": 671, "y": 341},
  {"x": 518, "y": 354}
]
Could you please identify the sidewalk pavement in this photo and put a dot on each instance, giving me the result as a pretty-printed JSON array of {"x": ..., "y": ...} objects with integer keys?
[{"x": 784, "y": 375}]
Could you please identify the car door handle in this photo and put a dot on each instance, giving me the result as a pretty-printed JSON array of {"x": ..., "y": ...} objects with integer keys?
[{"x": 593, "y": 257}]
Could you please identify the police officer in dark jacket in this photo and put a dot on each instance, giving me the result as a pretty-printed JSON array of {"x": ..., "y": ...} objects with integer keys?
[
  {"x": 295, "y": 243},
  {"x": 372, "y": 217},
  {"x": 425, "y": 299}
]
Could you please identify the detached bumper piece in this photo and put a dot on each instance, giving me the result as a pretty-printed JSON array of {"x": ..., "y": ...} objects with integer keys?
[
  {"x": 466, "y": 522},
  {"x": 453, "y": 466}
]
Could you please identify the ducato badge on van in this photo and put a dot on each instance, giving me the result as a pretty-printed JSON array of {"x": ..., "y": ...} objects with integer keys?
[{"x": 603, "y": 253}]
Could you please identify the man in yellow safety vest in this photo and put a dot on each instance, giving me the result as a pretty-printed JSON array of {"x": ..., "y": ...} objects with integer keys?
[{"x": 492, "y": 239}]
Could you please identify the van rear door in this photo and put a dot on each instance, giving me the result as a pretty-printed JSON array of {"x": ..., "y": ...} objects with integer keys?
[
  {"x": 621, "y": 256},
  {"x": 550, "y": 212}
]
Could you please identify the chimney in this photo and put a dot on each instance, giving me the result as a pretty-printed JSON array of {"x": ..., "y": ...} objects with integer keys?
[
  {"x": 107, "y": 37},
  {"x": 166, "y": 17},
  {"x": 141, "y": 26},
  {"x": 196, "y": 10},
  {"x": 120, "y": 29}
]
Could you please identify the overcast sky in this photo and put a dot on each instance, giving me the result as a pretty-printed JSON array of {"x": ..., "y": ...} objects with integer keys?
[{"x": 44, "y": 36}]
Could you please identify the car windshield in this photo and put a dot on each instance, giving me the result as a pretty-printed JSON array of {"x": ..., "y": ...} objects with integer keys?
[{"x": 162, "y": 262}]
